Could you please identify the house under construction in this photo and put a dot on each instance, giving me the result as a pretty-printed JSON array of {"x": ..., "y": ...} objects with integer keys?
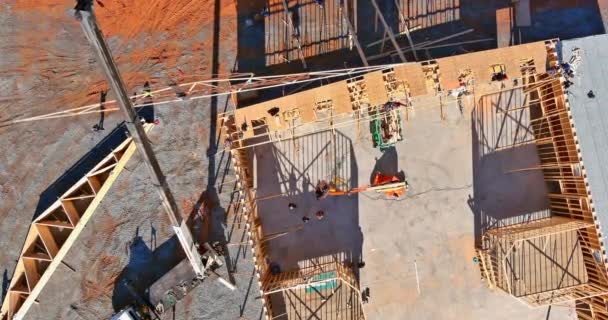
[
  {"x": 307, "y": 248},
  {"x": 548, "y": 256},
  {"x": 554, "y": 256}
]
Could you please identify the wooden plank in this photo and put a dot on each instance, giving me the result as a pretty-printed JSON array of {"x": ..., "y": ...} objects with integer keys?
[
  {"x": 56, "y": 224},
  {"x": 95, "y": 183},
  {"x": 104, "y": 169},
  {"x": 37, "y": 256},
  {"x": 88, "y": 196},
  {"x": 48, "y": 240},
  {"x": 504, "y": 25},
  {"x": 31, "y": 272},
  {"x": 71, "y": 211}
]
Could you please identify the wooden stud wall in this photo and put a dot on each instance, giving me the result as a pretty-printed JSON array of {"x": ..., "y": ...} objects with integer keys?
[
  {"x": 569, "y": 197},
  {"x": 558, "y": 151},
  {"x": 511, "y": 262},
  {"x": 562, "y": 166},
  {"x": 294, "y": 283},
  {"x": 52, "y": 234},
  {"x": 247, "y": 206}
]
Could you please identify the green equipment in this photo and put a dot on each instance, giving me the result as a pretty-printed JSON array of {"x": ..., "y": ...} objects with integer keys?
[{"x": 386, "y": 125}]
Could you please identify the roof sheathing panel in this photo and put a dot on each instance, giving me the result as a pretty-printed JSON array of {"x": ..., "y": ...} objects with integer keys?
[{"x": 590, "y": 118}]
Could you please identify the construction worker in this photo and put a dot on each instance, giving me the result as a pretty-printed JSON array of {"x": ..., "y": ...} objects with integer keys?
[
  {"x": 320, "y": 214},
  {"x": 147, "y": 90},
  {"x": 321, "y": 189},
  {"x": 102, "y": 101}
]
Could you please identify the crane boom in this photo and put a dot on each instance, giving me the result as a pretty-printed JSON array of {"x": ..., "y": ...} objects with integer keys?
[{"x": 84, "y": 13}]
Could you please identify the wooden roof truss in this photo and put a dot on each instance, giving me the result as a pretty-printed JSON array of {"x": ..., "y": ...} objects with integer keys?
[{"x": 53, "y": 233}]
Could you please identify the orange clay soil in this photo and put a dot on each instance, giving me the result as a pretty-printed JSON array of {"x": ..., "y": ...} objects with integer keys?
[{"x": 160, "y": 37}]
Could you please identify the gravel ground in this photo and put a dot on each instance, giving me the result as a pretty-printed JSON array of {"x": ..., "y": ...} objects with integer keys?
[{"x": 129, "y": 227}]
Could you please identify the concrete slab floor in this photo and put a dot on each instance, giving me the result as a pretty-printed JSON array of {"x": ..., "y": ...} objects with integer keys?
[
  {"x": 292, "y": 169},
  {"x": 418, "y": 250}
]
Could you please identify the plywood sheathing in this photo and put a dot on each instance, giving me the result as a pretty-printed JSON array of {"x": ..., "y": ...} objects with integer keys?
[
  {"x": 304, "y": 101},
  {"x": 504, "y": 25},
  {"x": 375, "y": 88},
  {"x": 479, "y": 63},
  {"x": 449, "y": 69},
  {"x": 413, "y": 75}
]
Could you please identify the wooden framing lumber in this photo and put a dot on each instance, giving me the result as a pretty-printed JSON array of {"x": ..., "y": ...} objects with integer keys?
[
  {"x": 326, "y": 280},
  {"x": 46, "y": 244},
  {"x": 569, "y": 202},
  {"x": 388, "y": 30},
  {"x": 289, "y": 283},
  {"x": 353, "y": 32},
  {"x": 538, "y": 228},
  {"x": 564, "y": 295}
]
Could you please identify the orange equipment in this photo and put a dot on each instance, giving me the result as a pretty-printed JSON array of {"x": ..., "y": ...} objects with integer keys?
[{"x": 389, "y": 185}]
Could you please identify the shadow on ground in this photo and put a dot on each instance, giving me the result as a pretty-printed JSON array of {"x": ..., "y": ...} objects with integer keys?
[
  {"x": 145, "y": 266},
  {"x": 288, "y": 172},
  {"x": 80, "y": 168},
  {"x": 506, "y": 187},
  {"x": 102, "y": 149}
]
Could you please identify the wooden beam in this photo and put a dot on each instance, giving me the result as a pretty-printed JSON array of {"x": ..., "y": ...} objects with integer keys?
[
  {"x": 539, "y": 228},
  {"x": 94, "y": 183},
  {"x": 48, "y": 239},
  {"x": 37, "y": 279},
  {"x": 353, "y": 33},
  {"x": 387, "y": 28},
  {"x": 71, "y": 211},
  {"x": 407, "y": 29}
]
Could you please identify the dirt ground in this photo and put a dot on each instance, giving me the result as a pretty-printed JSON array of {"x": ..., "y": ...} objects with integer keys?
[{"x": 39, "y": 159}]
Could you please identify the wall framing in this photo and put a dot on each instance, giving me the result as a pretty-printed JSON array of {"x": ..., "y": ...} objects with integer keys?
[
  {"x": 246, "y": 207},
  {"x": 569, "y": 198}
]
